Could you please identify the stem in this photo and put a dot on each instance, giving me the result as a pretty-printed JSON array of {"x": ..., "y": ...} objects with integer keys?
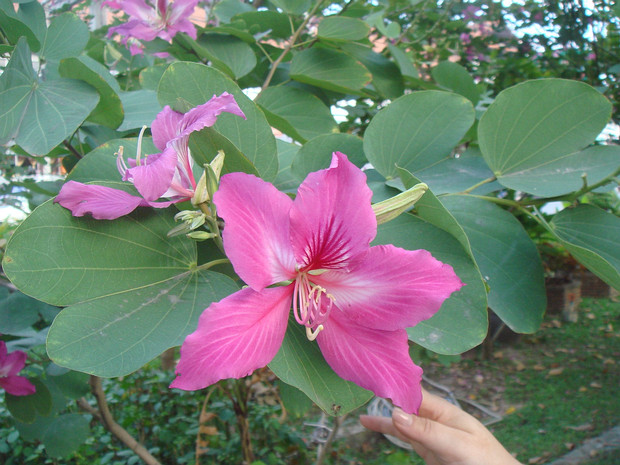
[
  {"x": 330, "y": 439},
  {"x": 203, "y": 413},
  {"x": 206, "y": 266},
  {"x": 240, "y": 398},
  {"x": 211, "y": 220},
  {"x": 481, "y": 183},
  {"x": 104, "y": 415},
  {"x": 71, "y": 149},
  {"x": 288, "y": 48}
]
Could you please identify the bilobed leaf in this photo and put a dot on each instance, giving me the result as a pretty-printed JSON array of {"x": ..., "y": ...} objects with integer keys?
[
  {"x": 131, "y": 328},
  {"x": 297, "y": 113},
  {"x": 295, "y": 7},
  {"x": 234, "y": 52},
  {"x": 277, "y": 24},
  {"x": 416, "y": 131},
  {"x": 66, "y": 36},
  {"x": 454, "y": 77},
  {"x": 343, "y": 28},
  {"x": 61, "y": 435},
  {"x": 461, "y": 323},
  {"x": 286, "y": 180},
  {"x": 295, "y": 402},
  {"x": 15, "y": 26},
  {"x": 140, "y": 108},
  {"x": 300, "y": 363},
  {"x": 40, "y": 115},
  {"x": 195, "y": 83},
  {"x": 507, "y": 258},
  {"x": 592, "y": 236},
  {"x": 150, "y": 77},
  {"x": 26, "y": 408},
  {"x": 403, "y": 61},
  {"x": 329, "y": 69},
  {"x": 109, "y": 110},
  {"x": 316, "y": 154},
  {"x": 538, "y": 123},
  {"x": 63, "y": 260},
  {"x": 19, "y": 312}
]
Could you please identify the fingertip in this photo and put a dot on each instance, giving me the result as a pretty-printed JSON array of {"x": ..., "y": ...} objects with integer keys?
[{"x": 401, "y": 418}]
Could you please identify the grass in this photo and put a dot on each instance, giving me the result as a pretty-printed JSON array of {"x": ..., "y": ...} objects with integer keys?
[{"x": 554, "y": 389}]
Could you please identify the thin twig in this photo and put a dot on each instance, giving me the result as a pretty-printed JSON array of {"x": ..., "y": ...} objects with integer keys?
[
  {"x": 328, "y": 443},
  {"x": 71, "y": 149},
  {"x": 105, "y": 416}
]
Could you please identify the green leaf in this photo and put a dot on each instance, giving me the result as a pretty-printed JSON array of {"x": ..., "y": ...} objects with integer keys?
[
  {"x": 109, "y": 110},
  {"x": 297, "y": 113},
  {"x": 416, "y": 131},
  {"x": 196, "y": 84},
  {"x": 537, "y": 123},
  {"x": 15, "y": 26},
  {"x": 343, "y": 28},
  {"x": 461, "y": 323},
  {"x": 592, "y": 236},
  {"x": 140, "y": 107},
  {"x": 277, "y": 24},
  {"x": 131, "y": 328},
  {"x": 19, "y": 312},
  {"x": 329, "y": 69},
  {"x": 295, "y": 402},
  {"x": 227, "y": 9},
  {"x": 386, "y": 77},
  {"x": 300, "y": 363},
  {"x": 567, "y": 173},
  {"x": 294, "y": 7},
  {"x": 234, "y": 52},
  {"x": 456, "y": 78},
  {"x": 71, "y": 384},
  {"x": 508, "y": 260},
  {"x": 37, "y": 116},
  {"x": 60, "y": 435},
  {"x": 286, "y": 181},
  {"x": 26, "y": 408},
  {"x": 316, "y": 154},
  {"x": 404, "y": 62},
  {"x": 67, "y": 35},
  {"x": 63, "y": 260},
  {"x": 150, "y": 77}
]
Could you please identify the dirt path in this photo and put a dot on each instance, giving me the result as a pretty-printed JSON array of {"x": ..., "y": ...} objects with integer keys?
[{"x": 590, "y": 449}]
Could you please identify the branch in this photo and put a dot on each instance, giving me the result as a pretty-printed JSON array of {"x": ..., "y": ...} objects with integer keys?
[
  {"x": 71, "y": 149},
  {"x": 105, "y": 417}
]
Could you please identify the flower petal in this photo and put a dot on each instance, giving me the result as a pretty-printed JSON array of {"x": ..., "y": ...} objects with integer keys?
[
  {"x": 13, "y": 363},
  {"x": 373, "y": 359},
  {"x": 206, "y": 114},
  {"x": 256, "y": 230},
  {"x": 154, "y": 175},
  {"x": 17, "y": 385},
  {"x": 332, "y": 219},
  {"x": 165, "y": 127},
  {"x": 138, "y": 9},
  {"x": 103, "y": 203},
  {"x": 235, "y": 336},
  {"x": 391, "y": 288}
]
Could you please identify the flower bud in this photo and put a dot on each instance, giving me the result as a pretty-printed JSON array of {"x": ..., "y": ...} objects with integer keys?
[
  {"x": 393, "y": 207},
  {"x": 201, "y": 235},
  {"x": 201, "y": 193},
  {"x": 213, "y": 171}
]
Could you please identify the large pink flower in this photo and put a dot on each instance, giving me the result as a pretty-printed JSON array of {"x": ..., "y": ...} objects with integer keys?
[
  {"x": 163, "y": 19},
  {"x": 353, "y": 299},
  {"x": 10, "y": 365},
  {"x": 167, "y": 174}
]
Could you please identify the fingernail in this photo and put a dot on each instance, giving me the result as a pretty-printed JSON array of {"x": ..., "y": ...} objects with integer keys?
[{"x": 402, "y": 418}]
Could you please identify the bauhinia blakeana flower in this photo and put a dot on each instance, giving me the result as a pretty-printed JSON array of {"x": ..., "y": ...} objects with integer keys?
[
  {"x": 148, "y": 20},
  {"x": 162, "y": 175},
  {"x": 313, "y": 254},
  {"x": 10, "y": 365}
]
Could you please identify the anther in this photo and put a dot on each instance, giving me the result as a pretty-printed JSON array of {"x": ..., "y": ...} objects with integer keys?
[{"x": 311, "y": 335}]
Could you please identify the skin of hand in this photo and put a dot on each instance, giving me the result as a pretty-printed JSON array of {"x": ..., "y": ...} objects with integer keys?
[{"x": 443, "y": 434}]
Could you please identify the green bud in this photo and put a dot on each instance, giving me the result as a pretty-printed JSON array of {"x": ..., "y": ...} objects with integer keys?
[
  {"x": 391, "y": 208},
  {"x": 213, "y": 171},
  {"x": 201, "y": 194},
  {"x": 200, "y": 235}
]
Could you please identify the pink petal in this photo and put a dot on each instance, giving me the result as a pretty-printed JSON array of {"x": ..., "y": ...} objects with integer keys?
[
  {"x": 181, "y": 9},
  {"x": 256, "y": 230},
  {"x": 235, "y": 336},
  {"x": 138, "y": 9},
  {"x": 332, "y": 219},
  {"x": 373, "y": 359},
  {"x": 391, "y": 288},
  {"x": 13, "y": 363},
  {"x": 136, "y": 48},
  {"x": 17, "y": 386},
  {"x": 183, "y": 25},
  {"x": 205, "y": 115},
  {"x": 103, "y": 203},
  {"x": 154, "y": 175},
  {"x": 166, "y": 127}
]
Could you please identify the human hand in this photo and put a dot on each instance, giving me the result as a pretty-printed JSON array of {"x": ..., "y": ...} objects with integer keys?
[{"x": 443, "y": 434}]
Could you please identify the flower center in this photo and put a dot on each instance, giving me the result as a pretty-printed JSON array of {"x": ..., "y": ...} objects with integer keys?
[{"x": 312, "y": 305}]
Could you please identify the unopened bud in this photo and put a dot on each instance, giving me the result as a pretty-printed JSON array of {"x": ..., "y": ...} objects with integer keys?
[
  {"x": 201, "y": 193},
  {"x": 213, "y": 171},
  {"x": 393, "y": 207},
  {"x": 201, "y": 235}
]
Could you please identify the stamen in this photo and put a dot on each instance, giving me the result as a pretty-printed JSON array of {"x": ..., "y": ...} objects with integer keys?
[
  {"x": 311, "y": 335},
  {"x": 139, "y": 150},
  {"x": 120, "y": 162}
]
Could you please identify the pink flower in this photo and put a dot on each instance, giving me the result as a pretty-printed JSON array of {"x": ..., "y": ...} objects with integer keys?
[
  {"x": 167, "y": 174},
  {"x": 148, "y": 21},
  {"x": 353, "y": 299},
  {"x": 10, "y": 365}
]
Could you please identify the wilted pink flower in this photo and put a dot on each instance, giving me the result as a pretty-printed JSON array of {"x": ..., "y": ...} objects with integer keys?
[
  {"x": 353, "y": 299},
  {"x": 163, "y": 19},
  {"x": 10, "y": 365},
  {"x": 167, "y": 174},
  {"x": 465, "y": 38}
]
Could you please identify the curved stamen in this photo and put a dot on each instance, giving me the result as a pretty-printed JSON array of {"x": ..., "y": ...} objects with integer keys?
[
  {"x": 311, "y": 335},
  {"x": 309, "y": 306}
]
